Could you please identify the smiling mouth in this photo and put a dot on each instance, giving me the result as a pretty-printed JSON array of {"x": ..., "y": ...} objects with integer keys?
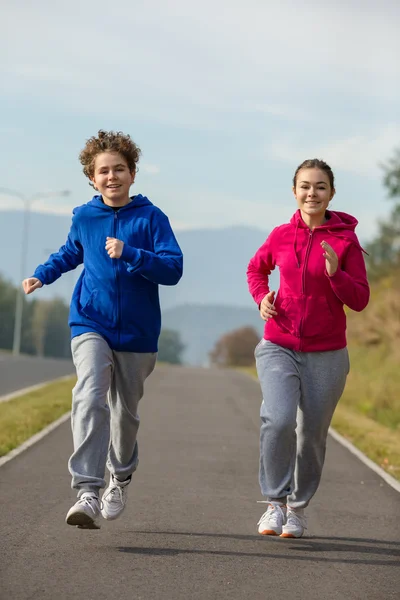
[{"x": 113, "y": 187}]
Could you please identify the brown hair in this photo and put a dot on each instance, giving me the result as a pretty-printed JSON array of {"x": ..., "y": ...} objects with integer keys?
[
  {"x": 109, "y": 141},
  {"x": 315, "y": 163}
]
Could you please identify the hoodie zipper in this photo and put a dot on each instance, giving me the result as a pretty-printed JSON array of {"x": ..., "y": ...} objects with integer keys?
[
  {"x": 303, "y": 282},
  {"x": 116, "y": 267}
]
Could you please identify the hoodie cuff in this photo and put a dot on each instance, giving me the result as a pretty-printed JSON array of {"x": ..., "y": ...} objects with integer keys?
[
  {"x": 130, "y": 255},
  {"x": 337, "y": 278}
]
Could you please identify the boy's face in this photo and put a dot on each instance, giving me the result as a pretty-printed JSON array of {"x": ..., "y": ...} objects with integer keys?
[{"x": 112, "y": 178}]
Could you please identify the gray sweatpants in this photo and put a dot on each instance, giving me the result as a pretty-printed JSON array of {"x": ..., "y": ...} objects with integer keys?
[
  {"x": 300, "y": 392},
  {"x": 104, "y": 410}
]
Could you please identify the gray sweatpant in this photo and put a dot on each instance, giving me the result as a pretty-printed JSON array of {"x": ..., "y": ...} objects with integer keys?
[
  {"x": 104, "y": 410},
  {"x": 300, "y": 392}
]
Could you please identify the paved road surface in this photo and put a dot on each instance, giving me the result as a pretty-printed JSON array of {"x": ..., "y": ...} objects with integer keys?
[
  {"x": 23, "y": 371},
  {"x": 189, "y": 531}
]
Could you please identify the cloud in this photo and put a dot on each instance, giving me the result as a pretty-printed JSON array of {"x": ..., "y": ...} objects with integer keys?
[
  {"x": 39, "y": 206},
  {"x": 174, "y": 63},
  {"x": 360, "y": 154}
]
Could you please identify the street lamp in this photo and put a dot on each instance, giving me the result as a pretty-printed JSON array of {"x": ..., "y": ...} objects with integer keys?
[{"x": 19, "y": 301}]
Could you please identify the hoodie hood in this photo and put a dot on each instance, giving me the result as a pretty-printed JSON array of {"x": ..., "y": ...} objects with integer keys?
[
  {"x": 136, "y": 202},
  {"x": 338, "y": 224},
  {"x": 336, "y": 221}
]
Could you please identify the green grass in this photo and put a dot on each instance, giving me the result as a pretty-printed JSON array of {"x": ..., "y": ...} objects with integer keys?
[
  {"x": 26, "y": 415},
  {"x": 373, "y": 385}
]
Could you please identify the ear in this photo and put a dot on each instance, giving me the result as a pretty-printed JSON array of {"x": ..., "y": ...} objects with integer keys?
[
  {"x": 294, "y": 192},
  {"x": 133, "y": 175},
  {"x": 333, "y": 193}
]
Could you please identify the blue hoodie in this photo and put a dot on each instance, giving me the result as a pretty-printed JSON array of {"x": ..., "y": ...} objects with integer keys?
[{"x": 118, "y": 297}]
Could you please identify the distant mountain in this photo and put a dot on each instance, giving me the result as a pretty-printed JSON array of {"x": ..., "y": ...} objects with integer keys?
[
  {"x": 201, "y": 326},
  {"x": 215, "y": 260}
]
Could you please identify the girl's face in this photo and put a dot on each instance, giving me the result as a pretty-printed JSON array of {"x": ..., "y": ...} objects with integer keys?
[
  {"x": 313, "y": 192},
  {"x": 112, "y": 178}
]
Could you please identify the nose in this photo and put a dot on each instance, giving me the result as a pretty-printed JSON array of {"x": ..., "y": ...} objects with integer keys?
[{"x": 111, "y": 175}]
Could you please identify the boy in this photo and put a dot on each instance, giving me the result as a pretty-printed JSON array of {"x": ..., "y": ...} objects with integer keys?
[{"x": 128, "y": 248}]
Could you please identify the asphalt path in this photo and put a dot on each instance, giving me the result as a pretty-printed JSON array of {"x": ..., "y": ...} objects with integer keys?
[
  {"x": 189, "y": 530},
  {"x": 18, "y": 372}
]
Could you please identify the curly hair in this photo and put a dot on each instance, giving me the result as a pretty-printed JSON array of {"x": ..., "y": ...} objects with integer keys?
[
  {"x": 316, "y": 163},
  {"x": 109, "y": 141}
]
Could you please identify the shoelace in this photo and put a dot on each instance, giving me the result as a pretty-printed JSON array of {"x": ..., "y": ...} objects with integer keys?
[
  {"x": 296, "y": 519},
  {"x": 89, "y": 501},
  {"x": 270, "y": 510},
  {"x": 115, "y": 489}
]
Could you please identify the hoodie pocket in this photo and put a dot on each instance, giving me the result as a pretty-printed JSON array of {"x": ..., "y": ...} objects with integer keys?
[
  {"x": 140, "y": 313},
  {"x": 288, "y": 315},
  {"x": 318, "y": 317},
  {"x": 100, "y": 308}
]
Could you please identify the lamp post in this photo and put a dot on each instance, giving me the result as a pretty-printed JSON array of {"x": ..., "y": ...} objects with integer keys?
[{"x": 19, "y": 301}]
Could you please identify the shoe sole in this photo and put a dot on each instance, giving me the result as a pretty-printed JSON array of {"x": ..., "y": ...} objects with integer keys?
[
  {"x": 290, "y": 535},
  {"x": 82, "y": 521},
  {"x": 268, "y": 532}
]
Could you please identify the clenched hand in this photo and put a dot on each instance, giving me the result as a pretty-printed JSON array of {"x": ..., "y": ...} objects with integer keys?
[
  {"x": 267, "y": 309},
  {"x": 114, "y": 247},
  {"x": 31, "y": 284}
]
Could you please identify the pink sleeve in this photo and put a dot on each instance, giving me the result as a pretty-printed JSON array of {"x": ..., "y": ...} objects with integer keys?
[
  {"x": 260, "y": 267},
  {"x": 350, "y": 283}
]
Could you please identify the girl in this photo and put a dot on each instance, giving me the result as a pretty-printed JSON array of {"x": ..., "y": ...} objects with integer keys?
[{"x": 302, "y": 360}]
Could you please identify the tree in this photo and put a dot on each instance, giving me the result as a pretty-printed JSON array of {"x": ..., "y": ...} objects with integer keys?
[
  {"x": 236, "y": 349},
  {"x": 170, "y": 347},
  {"x": 391, "y": 178},
  {"x": 384, "y": 250}
]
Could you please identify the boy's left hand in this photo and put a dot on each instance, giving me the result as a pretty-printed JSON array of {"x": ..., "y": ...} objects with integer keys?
[
  {"x": 331, "y": 258},
  {"x": 114, "y": 247}
]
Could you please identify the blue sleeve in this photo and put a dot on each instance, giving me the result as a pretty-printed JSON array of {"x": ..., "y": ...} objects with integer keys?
[
  {"x": 66, "y": 259},
  {"x": 163, "y": 266}
]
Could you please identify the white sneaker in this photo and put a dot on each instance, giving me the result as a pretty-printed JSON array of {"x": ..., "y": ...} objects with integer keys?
[
  {"x": 295, "y": 524},
  {"x": 114, "y": 498},
  {"x": 84, "y": 513},
  {"x": 273, "y": 519}
]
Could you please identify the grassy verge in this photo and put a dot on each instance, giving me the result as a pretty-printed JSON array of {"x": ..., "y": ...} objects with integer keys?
[
  {"x": 368, "y": 414},
  {"x": 381, "y": 444},
  {"x": 24, "y": 416}
]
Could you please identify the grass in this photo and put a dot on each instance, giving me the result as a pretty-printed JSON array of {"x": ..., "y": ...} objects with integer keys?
[
  {"x": 373, "y": 385},
  {"x": 381, "y": 444},
  {"x": 26, "y": 415}
]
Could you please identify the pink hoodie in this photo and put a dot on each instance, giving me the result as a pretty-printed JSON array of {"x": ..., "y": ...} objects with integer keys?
[{"x": 309, "y": 303}]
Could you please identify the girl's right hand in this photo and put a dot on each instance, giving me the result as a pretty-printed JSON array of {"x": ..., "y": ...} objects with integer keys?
[
  {"x": 267, "y": 309},
  {"x": 31, "y": 284}
]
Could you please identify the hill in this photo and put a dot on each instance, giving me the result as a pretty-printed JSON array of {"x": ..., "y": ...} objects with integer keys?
[
  {"x": 215, "y": 260},
  {"x": 200, "y": 326}
]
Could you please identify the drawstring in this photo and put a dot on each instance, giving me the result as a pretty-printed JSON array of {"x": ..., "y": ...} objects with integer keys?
[{"x": 294, "y": 246}]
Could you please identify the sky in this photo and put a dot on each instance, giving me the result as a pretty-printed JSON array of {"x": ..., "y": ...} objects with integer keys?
[{"x": 225, "y": 99}]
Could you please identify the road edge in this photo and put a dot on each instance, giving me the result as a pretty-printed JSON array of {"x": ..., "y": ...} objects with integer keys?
[
  {"x": 332, "y": 432},
  {"x": 364, "y": 459},
  {"x": 35, "y": 438},
  {"x": 33, "y": 388}
]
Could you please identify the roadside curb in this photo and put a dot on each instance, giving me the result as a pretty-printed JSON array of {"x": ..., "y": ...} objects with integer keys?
[
  {"x": 364, "y": 459},
  {"x": 35, "y": 438},
  {"x": 33, "y": 388}
]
